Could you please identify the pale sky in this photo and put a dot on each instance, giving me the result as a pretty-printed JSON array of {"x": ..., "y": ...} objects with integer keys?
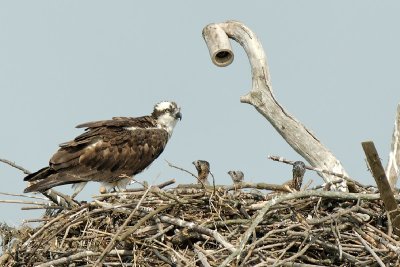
[{"x": 333, "y": 66}]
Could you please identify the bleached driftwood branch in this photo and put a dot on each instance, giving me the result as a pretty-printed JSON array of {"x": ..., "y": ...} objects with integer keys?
[
  {"x": 393, "y": 165},
  {"x": 261, "y": 95}
]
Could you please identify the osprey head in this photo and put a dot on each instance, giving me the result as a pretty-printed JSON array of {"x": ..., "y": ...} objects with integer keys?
[
  {"x": 237, "y": 176},
  {"x": 299, "y": 168},
  {"x": 201, "y": 165},
  {"x": 167, "y": 114}
]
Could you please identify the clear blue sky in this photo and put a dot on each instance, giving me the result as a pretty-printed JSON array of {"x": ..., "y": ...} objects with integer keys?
[{"x": 334, "y": 66}]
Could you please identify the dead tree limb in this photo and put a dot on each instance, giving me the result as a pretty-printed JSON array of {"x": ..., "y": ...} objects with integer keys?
[
  {"x": 13, "y": 164},
  {"x": 51, "y": 194},
  {"x": 261, "y": 95},
  {"x": 393, "y": 165},
  {"x": 382, "y": 182}
]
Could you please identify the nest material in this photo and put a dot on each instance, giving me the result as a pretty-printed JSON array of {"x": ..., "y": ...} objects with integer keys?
[{"x": 209, "y": 227}]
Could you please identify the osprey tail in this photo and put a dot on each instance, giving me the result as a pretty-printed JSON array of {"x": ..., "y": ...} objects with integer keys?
[{"x": 47, "y": 178}]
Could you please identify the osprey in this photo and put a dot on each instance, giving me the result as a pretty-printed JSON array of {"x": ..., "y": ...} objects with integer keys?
[
  {"x": 203, "y": 169},
  {"x": 237, "y": 176},
  {"x": 109, "y": 151},
  {"x": 299, "y": 169}
]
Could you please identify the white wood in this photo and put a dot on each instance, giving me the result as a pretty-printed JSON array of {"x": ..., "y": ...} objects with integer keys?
[
  {"x": 392, "y": 168},
  {"x": 302, "y": 140}
]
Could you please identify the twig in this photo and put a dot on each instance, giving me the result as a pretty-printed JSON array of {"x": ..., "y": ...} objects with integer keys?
[
  {"x": 329, "y": 246},
  {"x": 35, "y": 221},
  {"x": 167, "y": 195},
  {"x": 47, "y": 225},
  {"x": 261, "y": 186},
  {"x": 22, "y": 195},
  {"x": 333, "y": 216},
  {"x": 385, "y": 239},
  {"x": 24, "y": 202},
  {"x": 81, "y": 255},
  {"x": 12, "y": 164},
  {"x": 163, "y": 258},
  {"x": 179, "y": 168},
  {"x": 131, "y": 230},
  {"x": 161, "y": 185},
  {"x": 160, "y": 233},
  {"x": 301, "y": 252},
  {"x": 42, "y": 208},
  {"x": 283, "y": 253},
  {"x": 325, "y": 184},
  {"x": 314, "y": 193},
  {"x": 200, "y": 229},
  {"x": 370, "y": 250},
  {"x": 60, "y": 199},
  {"x": 270, "y": 261},
  {"x": 121, "y": 228},
  {"x": 67, "y": 231},
  {"x": 340, "y": 175},
  {"x": 336, "y": 234},
  {"x": 201, "y": 256},
  {"x": 176, "y": 253},
  {"x": 51, "y": 194}
]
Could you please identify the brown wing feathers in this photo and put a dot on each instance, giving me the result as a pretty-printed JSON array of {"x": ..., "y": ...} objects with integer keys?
[
  {"x": 104, "y": 152},
  {"x": 145, "y": 121},
  {"x": 40, "y": 174}
]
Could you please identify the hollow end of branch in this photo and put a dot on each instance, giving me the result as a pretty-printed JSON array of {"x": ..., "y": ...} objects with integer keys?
[
  {"x": 218, "y": 45},
  {"x": 222, "y": 58}
]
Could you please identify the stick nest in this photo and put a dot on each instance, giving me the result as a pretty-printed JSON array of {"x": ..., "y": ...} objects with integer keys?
[{"x": 194, "y": 226}]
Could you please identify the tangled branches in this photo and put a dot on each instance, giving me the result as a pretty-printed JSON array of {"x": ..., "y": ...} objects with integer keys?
[{"x": 192, "y": 226}]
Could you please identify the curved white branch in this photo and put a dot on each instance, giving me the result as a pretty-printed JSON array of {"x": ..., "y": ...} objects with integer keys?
[{"x": 262, "y": 98}]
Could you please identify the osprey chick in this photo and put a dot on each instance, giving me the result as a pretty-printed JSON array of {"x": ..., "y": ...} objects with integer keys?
[
  {"x": 109, "y": 151},
  {"x": 237, "y": 176},
  {"x": 203, "y": 169},
  {"x": 299, "y": 168}
]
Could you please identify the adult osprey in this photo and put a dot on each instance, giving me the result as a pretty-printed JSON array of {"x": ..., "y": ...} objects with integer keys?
[{"x": 109, "y": 151}]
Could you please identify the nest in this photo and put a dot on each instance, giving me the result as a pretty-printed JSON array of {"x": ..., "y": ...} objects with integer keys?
[{"x": 193, "y": 225}]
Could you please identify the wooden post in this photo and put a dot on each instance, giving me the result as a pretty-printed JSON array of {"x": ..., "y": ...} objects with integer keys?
[{"x": 382, "y": 182}]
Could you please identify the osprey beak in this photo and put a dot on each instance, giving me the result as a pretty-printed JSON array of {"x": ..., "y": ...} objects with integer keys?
[{"x": 178, "y": 115}]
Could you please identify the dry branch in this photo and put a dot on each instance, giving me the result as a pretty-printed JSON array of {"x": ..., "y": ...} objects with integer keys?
[
  {"x": 381, "y": 180},
  {"x": 243, "y": 185},
  {"x": 261, "y": 95},
  {"x": 340, "y": 175},
  {"x": 14, "y": 165}
]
